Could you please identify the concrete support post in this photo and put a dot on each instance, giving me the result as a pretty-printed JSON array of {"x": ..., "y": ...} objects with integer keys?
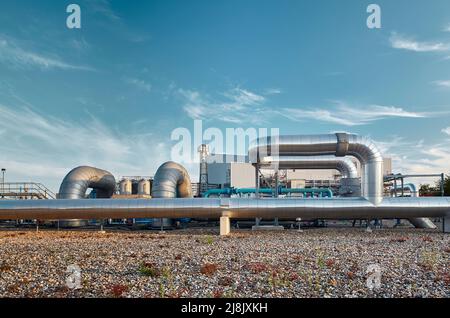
[
  {"x": 224, "y": 225},
  {"x": 446, "y": 225}
]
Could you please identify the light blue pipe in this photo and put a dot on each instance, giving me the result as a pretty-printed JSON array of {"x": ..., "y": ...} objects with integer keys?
[
  {"x": 253, "y": 190},
  {"x": 321, "y": 191},
  {"x": 410, "y": 186},
  {"x": 228, "y": 191}
]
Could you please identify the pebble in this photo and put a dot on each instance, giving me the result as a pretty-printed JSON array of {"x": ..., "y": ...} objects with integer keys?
[{"x": 314, "y": 263}]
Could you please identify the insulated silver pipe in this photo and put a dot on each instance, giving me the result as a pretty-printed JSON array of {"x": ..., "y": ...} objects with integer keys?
[
  {"x": 77, "y": 181},
  {"x": 339, "y": 208},
  {"x": 170, "y": 181},
  {"x": 340, "y": 145},
  {"x": 420, "y": 223},
  {"x": 344, "y": 165}
]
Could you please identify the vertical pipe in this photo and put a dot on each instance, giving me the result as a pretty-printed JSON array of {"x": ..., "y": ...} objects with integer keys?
[{"x": 257, "y": 181}]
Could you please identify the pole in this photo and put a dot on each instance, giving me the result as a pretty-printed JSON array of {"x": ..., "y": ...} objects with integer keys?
[
  {"x": 403, "y": 185},
  {"x": 442, "y": 185},
  {"x": 3, "y": 180},
  {"x": 395, "y": 187},
  {"x": 257, "y": 181},
  {"x": 257, "y": 220}
]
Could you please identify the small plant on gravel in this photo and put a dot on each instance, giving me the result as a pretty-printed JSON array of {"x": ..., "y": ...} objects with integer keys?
[
  {"x": 162, "y": 290},
  {"x": 218, "y": 293},
  {"x": 118, "y": 290},
  {"x": 167, "y": 276},
  {"x": 320, "y": 261},
  {"x": 208, "y": 269},
  {"x": 230, "y": 293},
  {"x": 400, "y": 239},
  {"x": 279, "y": 279},
  {"x": 330, "y": 263},
  {"x": 257, "y": 267},
  {"x": 350, "y": 275},
  {"x": 209, "y": 240},
  {"x": 429, "y": 260},
  {"x": 5, "y": 267},
  {"x": 149, "y": 269},
  {"x": 427, "y": 239},
  {"x": 225, "y": 281}
]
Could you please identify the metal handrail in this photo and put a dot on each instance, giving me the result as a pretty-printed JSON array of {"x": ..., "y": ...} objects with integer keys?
[{"x": 26, "y": 189}]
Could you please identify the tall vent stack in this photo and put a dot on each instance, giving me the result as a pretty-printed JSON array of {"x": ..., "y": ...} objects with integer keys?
[{"x": 203, "y": 151}]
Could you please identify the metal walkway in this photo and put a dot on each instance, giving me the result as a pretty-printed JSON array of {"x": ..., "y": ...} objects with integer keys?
[{"x": 25, "y": 191}]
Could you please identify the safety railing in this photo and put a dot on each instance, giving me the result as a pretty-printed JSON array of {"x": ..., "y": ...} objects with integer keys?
[{"x": 25, "y": 190}]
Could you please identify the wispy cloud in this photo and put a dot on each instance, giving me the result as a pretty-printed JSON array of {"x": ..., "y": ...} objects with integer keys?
[
  {"x": 404, "y": 43},
  {"x": 445, "y": 84},
  {"x": 234, "y": 106},
  {"x": 12, "y": 54},
  {"x": 272, "y": 91},
  {"x": 447, "y": 28},
  {"x": 350, "y": 115},
  {"x": 44, "y": 148},
  {"x": 243, "y": 106},
  {"x": 140, "y": 84},
  {"x": 446, "y": 131},
  {"x": 80, "y": 45},
  {"x": 104, "y": 8},
  {"x": 416, "y": 157}
]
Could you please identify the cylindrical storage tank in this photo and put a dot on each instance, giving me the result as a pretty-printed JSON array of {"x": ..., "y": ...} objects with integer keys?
[
  {"x": 125, "y": 187},
  {"x": 144, "y": 187}
]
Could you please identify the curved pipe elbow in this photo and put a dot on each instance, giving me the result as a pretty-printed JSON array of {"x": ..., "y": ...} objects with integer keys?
[
  {"x": 78, "y": 180},
  {"x": 171, "y": 181},
  {"x": 339, "y": 145}
]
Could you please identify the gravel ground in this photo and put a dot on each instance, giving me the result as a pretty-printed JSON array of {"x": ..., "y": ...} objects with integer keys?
[{"x": 198, "y": 263}]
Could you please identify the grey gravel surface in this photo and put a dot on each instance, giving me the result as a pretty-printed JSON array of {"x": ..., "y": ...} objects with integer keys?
[{"x": 198, "y": 263}]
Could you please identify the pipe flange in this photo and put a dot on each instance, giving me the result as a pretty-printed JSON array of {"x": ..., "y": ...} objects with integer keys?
[{"x": 342, "y": 144}]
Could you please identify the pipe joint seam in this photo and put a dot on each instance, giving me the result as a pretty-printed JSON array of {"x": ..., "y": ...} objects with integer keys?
[{"x": 342, "y": 144}]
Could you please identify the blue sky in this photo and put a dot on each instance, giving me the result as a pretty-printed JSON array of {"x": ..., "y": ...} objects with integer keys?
[{"x": 110, "y": 94}]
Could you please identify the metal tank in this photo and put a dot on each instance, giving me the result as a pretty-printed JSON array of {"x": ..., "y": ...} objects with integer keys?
[
  {"x": 144, "y": 187},
  {"x": 125, "y": 187}
]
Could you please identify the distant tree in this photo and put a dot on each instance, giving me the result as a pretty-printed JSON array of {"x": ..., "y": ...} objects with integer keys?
[
  {"x": 427, "y": 190},
  {"x": 446, "y": 185}
]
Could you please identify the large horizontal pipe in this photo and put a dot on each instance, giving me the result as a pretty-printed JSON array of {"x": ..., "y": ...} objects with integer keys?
[{"x": 342, "y": 208}]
